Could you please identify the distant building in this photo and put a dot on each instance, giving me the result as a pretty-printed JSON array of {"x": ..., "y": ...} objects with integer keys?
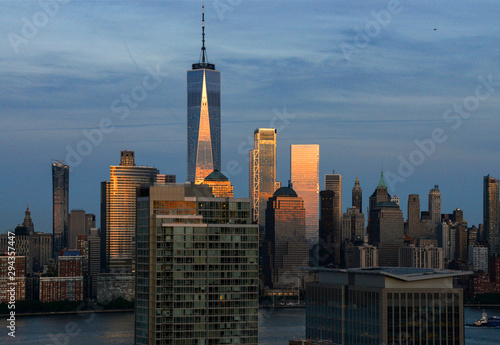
[
  {"x": 478, "y": 256},
  {"x": 70, "y": 266},
  {"x": 165, "y": 178},
  {"x": 446, "y": 240},
  {"x": 220, "y": 184},
  {"x": 385, "y": 305},
  {"x": 330, "y": 237},
  {"x": 304, "y": 170},
  {"x": 357, "y": 196},
  {"x": 333, "y": 182},
  {"x": 395, "y": 199},
  {"x": 7, "y": 281},
  {"x": 111, "y": 286},
  {"x": 94, "y": 239},
  {"x": 360, "y": 256},
  {"x": 435, "y": 208},
  {"x": 54, "y": 289},
  {"x": 353, "y": 226},
  {"x": 287, "y": 248},
  {"x": 60, "y": 202},
  {"x": 491, "y": 214},
  {"x": 413, "y": 223},
  {"x": 118, "y": 212},
  {"x": 79, "y": 224},
  {"x": 421, "y": 257}
]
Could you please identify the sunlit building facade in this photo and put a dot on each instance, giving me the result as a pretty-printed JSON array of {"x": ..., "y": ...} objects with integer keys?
[
  {"x": 262, "y": 172},
  {"x": 197, "y": 268},
  {"x": 203, "y": 118},
  {"x": 60, "y": 205},
  {"x": 286, "y": 249},
  {"x": 118, "y": 211},
  {"x": 220, "y": 184},
  {"x": 304, "y": 169},
  {"x": 491, "y": 214}
]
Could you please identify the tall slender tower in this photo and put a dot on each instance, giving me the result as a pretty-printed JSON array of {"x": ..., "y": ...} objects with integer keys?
[
  {"x": 60, "y": 205},
  {"x": 435, "y": 207},
  {"x": 357, "y": 196},
  {"x": 304, "y": 168},
  {"x": 414, "y": 216},
  {"x": 203, "y": 117},
  {"x": 333, "y": 182},
  {"x": 491, "y": 210},
  {"x": 262, "y": 172}
]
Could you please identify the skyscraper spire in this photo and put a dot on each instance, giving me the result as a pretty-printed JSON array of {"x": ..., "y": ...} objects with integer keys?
[{"x": 203, "y": 49}]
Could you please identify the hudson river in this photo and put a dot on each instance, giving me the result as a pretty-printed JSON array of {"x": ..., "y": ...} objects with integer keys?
[{"x": 276, "y": 327}]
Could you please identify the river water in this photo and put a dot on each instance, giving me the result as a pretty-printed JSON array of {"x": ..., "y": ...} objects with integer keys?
[{"x": 276, "y": 327}]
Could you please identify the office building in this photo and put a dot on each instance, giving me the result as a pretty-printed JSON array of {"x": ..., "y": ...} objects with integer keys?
[
  {"x": 385, "y": 305},
  {"x": 435, "y": 208},
  {"x": 357, "y": 196},
  {"x": 334, "y": 182},
  {"x": 387, "y": 232},
  {"x": 262, "y": 173},
  {"x": 118, "y": 212},
  {"x": 413, "y": 223},
  {"x": 161, "y": 178},
  {"x": 79, "y": 224},
  {"x": 7, "y": 281},
  {"x": 395, "y": 199},
  {"x": 491, "y": 214},
  {"x": 203, "y": 117},
  {"x": 286, "y": 244},
  {"x": 446, "y": 240},
  {"x": 304, "y": 168},
  {"x": 357, "y": 256},
  {"x": 330, "y": 236},
  {"x": 353, "y": 226},
  {"x": 379, "y": 195},
  {"x": 200, "y": 284},
  {"x": 111, "y": 286},
  {"x": 60, "y": 205},
  {"x": 94, "y": 240},
  {"x": 220, "y": 184}
]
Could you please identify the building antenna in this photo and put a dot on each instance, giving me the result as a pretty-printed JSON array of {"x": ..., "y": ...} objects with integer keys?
[{"x": 203, "y": 49}]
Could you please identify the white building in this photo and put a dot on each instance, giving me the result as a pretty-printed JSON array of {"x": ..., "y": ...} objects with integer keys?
[{"x": 478, "y": 256}]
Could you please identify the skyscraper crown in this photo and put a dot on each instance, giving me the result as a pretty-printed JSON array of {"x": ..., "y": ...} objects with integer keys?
[{"x": 203, "y": 62}]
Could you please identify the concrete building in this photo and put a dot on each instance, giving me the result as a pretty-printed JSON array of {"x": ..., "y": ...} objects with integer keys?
[
  {"x": 357, "y": 196},
  {"x": 79, "y": 224},
  {"x": 197, "y": 267},
  {"x": 478, "y": 256},
  {"x": 413, "y": 222},
  {"x": 421, "y": 257},
  {"x": 9, "y": 281},
  {"x": 360, "y": 256},
  {"x": 111, "y": 286},
  {"x": 353, "y": 226},
  {"x": 385, "y": 305},
  {"x": 54, "y": 289},
  {"x": 435, "y": 208}
]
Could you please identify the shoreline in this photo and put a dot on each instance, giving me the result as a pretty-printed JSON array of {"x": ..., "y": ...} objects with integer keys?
[{"x": 72, "y": 312}]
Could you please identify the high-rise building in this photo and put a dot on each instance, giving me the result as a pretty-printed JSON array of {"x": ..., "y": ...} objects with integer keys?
[
  {"x": 203, "y": 117},
  {"x": 118, "y": 211},
  {"x": 304, "y": 168},
  {"x": 220, "y": 184},
  {"x": 379, "y": 195},
  {"x": 28, "y": 222},
  {"x": 200, "y": 283},
  {"x": 421, "y": 257},
  {"x": 491, "y": 214},
  {"x": 334, "y": 182},
  {"x": 353, "y": 226},
  {"x": 357, "y": 196},
  {"x": 478, "y": 257},
  {"x": 395, "y": 199},
  {"x": 330, "y": 236},
  {"x": 286, "y": 244},
  {"x": 386, "y": 305},
  {"x": 413, "y": 222},
  {"x": 435, "y": 208},
  {"x": 446, "y": 240},
  {"x": 357, "y": 256},
  {"x": 387, "y": 232},
  {"x": 262, "y": 173},
  {"x": 60, "y": 205},
  {"x": 94, "y": 239},
  {"x": 79, "y": 224}
]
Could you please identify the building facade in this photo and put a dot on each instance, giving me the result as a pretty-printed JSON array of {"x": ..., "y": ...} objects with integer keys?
[
  {"x": 435, "y": 208},
  {"x": 380, "y": 306},
  {"x": 60, "y": 205},
  {"x": 304, "y": 169},
  {"x": 197, "y": 267},
  {"x": 118, "y": 212},
  {"x": 357, "y": 196},
  {"x": 491, "y": 214},
  {"x": 413, "y": 223},
  {"x": 220, "y": 184},
  {"x": 421, "y": 257}
]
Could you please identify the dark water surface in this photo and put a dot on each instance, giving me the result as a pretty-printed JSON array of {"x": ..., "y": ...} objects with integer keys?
[{"x": 276, "y": 327}]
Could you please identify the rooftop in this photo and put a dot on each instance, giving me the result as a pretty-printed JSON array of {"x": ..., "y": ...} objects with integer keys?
[
  {"x": 285, "y": 191},
  {"x": 400, "y": 273},
  {"x": 216, "y": 175}
]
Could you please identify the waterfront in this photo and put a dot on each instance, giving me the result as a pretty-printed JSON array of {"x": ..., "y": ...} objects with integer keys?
[{"x": 276, "y": 327}]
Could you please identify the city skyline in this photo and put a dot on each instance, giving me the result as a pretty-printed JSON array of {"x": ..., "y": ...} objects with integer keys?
[{"x": 48, "y": 86}]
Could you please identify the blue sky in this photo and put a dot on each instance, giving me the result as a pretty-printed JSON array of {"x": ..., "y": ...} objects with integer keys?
[{"x": 323, "y": 72}]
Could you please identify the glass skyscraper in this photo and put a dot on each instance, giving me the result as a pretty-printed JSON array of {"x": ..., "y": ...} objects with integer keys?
[
  {"x": 203, "y": 118},
  {"x": 60, "y": 205},
  {"x": 304, "y": 168},
  {"x": 118, "y": 211}
]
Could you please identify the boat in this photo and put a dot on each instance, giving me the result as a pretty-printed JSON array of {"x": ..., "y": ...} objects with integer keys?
[{"x": 485, "y": 321}]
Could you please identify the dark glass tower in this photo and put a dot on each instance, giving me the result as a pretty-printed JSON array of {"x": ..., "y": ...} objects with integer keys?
[
  {"x": 60, "y": 205},
  {"x": 203, "y": 117}
]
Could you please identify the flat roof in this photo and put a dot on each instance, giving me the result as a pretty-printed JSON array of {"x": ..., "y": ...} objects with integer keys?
[{"x": 401, "y": 273}]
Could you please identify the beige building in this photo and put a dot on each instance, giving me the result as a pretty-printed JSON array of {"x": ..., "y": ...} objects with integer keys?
[
  {"x": 220, "y": 184},
  {"x": 421, "y": 257}
]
